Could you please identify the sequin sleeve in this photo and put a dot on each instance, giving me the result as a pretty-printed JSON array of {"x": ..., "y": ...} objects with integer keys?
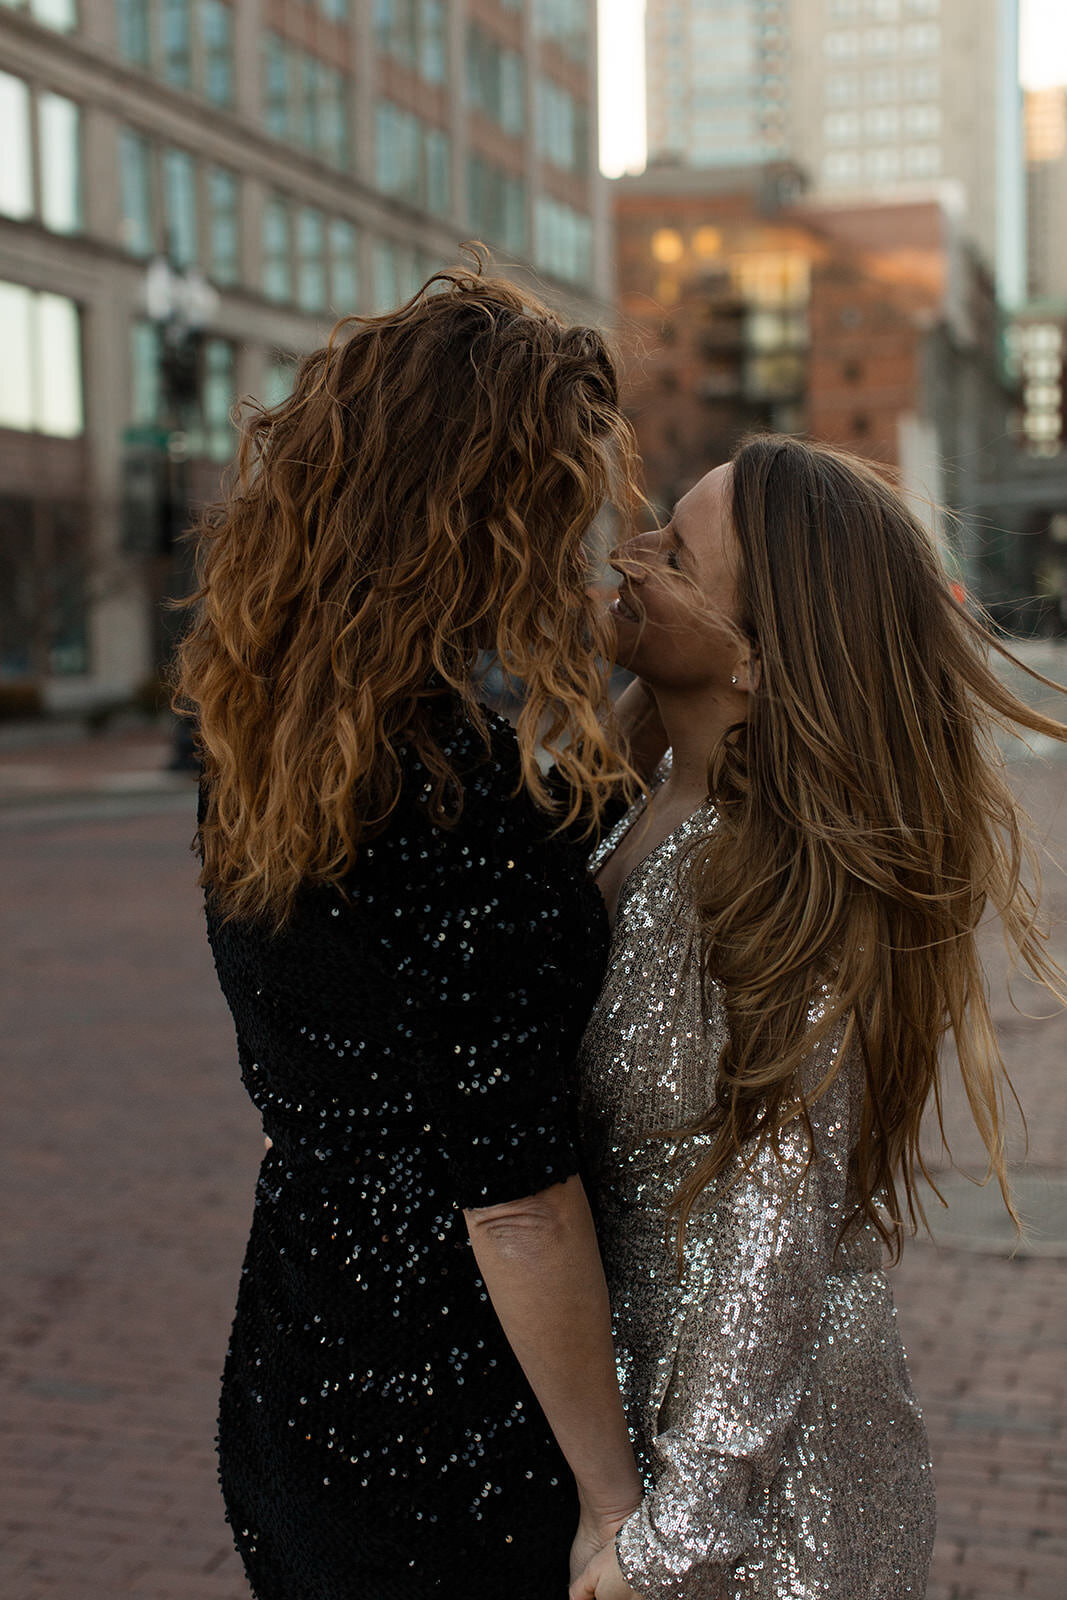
[
  {"x": 758, "y": 1255},
  {"x": 490, "y": 1023}
]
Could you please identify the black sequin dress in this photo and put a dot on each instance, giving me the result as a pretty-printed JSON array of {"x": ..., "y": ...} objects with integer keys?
[{"x": 409, "y": 1042}]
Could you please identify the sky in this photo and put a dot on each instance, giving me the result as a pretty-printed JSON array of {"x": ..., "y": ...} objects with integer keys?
[{"x": 1043, "y": 50}]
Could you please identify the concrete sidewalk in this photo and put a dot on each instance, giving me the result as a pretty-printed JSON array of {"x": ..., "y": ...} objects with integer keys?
[{"x": 126, "y": 1179}]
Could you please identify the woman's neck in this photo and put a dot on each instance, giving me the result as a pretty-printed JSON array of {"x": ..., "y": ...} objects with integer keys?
[{"x": 695, "y": 722}]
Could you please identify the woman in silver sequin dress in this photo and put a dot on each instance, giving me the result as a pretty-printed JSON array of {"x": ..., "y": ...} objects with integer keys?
[{"x": 794, "y": 908}]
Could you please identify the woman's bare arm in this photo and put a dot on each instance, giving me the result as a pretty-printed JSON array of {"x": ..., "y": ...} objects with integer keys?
[{"x": 539, "y": 1260}]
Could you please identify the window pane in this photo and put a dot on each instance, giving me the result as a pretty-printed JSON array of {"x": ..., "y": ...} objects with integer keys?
[
  {"x": 277, "y": 270},
  {"x": 398, "y": 151},
  {"x": 344, "y": 267},
  {"x": 438, "y": 172},
  {"x": 60, "y": 146},
  {"x": 144, "y": 373},
  {"x": 16, "y": 340},
  {"x": 179, "y": 207},
  {"x": 275, "y": 86},
  {"x": 216, "y": 29},
  {"x": 279, "y": 380},
  {"x": 58, "y": 367},
  {"x": 310, "y": 260},
  {"x": 59, "y": 14},
  {"x": 16, "y": 171},
  {"x": 223, "y": 222},
  {"x": 131, "y": 22},
  {"x": 217, "y": 396},
  {"x": 136, "y": 232},
  {"x": 333, "y": 117},
  {"x": 433, "y": 41},
  {"x": 176, "y": 44}
]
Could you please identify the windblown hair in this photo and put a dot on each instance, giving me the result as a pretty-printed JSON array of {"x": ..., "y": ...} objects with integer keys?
[
  {"x": 865, "y": 827},
  {"x": 423, "y": 496}
]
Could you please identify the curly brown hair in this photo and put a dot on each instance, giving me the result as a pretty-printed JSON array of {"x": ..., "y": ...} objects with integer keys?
[
  {"x": 423, "y": 496},
  {"x": 865, "y": 827}
]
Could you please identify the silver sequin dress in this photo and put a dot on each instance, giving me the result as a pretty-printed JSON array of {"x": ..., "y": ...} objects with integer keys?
[{"x": 783, "y": 1452}]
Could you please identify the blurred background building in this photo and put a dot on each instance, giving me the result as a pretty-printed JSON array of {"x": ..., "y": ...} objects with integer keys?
[
  {"x": 191, "y": 192},
  {"x": 849, "y": 226}
]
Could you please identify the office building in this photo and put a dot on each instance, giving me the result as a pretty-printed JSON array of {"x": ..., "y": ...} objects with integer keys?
[
  {"x": 295, "y": 161},
  {"x": 868, "y": 97}
]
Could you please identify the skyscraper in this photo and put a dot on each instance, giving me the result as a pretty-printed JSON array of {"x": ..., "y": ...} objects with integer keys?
[{"x": 868, "y": 97}]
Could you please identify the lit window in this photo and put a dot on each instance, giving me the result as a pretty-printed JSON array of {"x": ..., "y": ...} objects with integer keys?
[
  {"x": 667, "y": 246},
  {"x": 16, "y": 167},
  {"x": 41, "y": 338},
  {"x": 58, "y": 129}
]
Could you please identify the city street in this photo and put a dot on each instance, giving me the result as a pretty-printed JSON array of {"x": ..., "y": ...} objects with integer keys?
[{"x": 126, "y": 1177}]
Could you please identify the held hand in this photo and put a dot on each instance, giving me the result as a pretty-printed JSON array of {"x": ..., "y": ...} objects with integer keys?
[
  {"x": 602, "y": 1579},
  {"x": 594, "y": 1532}
]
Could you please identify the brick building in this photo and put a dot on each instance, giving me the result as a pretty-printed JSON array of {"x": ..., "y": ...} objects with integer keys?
[{"x": 747, "y": 305}]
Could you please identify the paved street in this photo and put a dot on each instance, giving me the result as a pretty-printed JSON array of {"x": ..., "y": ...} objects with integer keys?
[{"x": 126, "y": 1184}]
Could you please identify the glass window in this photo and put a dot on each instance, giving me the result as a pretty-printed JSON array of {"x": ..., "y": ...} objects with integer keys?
[
  {"x": 275, "y": 85},
  {"x": 145, "y": 395},
  {"x": 495, "y": 79},
  {"x": 922, "y": 161},
  {"x": 224, "y": 234},
  {"x": 922, "y": 38},
  {"x": 41, "y": 338},
  {"x": 395, "y": 29},
  {"x": 336, "y": 10},
  {"x": 496, "y": 203},
  {"x": 279, "y": 379},
  {"x": 311, "y": 259},
  {"x": 333, "y": 117},
  {"x": 17, "y": 399},
  {"x": 16, "y": 166},
  {"x": 565, "y": 23},
  {"x": 397, "y": 151},
  {"x": 882, "y": 123},
  {"x": 841, "y": 127},
  {"x": 842, "y": 88},
  {"x": 60, "y": 162},
  {"x": 176, "y": 61},
  {"x": 562, "y": 126},
  {"x": 344, "y": 267},
  {"x": 277, "y": 250},
  {"x": 433, "y": 41},
  {"x": 843, "y": 166},
  {"x": 311, "y": 75},
  {"x": 59, "y": 14},
  {"x": 882, "y": 166},
  {"x": 216, "y": 38},
  {"x": 131, "y": 25},
  {"x": 217, "y": 394},
  {"x": 564, "y": 241},
  {"x": 179, "y": 207},
  {"x": 438, "y": 172},
  {"x": 136, "y": 227}
]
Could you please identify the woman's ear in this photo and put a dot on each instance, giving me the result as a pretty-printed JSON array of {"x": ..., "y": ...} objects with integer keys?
[{"x": 747, "y": 673}]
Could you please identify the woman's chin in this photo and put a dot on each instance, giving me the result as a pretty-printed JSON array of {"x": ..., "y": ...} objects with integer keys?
[{"x": 627, "y": 638}]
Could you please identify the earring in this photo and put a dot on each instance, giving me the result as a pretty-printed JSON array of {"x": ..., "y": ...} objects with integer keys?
[{"x": 733, "y": 679}]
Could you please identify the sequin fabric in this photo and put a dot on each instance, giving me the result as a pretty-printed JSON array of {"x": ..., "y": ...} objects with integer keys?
[
  {"x": 409, "y": 1041},
  {"x": 783, "y": 1453}
]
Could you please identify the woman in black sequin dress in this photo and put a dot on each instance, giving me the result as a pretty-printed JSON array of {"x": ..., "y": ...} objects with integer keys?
[{"x": 404, "y": 930}]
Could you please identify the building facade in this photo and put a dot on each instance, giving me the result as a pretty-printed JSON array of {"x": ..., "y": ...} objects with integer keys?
[
  {"x": 749, "y": 305},
  {"x": 868, "y": 97},
  {"x": 294, "y": 161}
]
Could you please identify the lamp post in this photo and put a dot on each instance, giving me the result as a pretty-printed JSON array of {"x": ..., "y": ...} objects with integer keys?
[{"x": 180, "y": 304}]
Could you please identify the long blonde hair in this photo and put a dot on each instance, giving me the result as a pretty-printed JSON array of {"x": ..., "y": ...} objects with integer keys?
[
  {"x": 423, "y": 495},
  {"x": 865, "y": 825}
]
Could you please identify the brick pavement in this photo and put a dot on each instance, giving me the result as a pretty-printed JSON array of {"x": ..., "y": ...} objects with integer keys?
[{"x": 126, "y": 1186}]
